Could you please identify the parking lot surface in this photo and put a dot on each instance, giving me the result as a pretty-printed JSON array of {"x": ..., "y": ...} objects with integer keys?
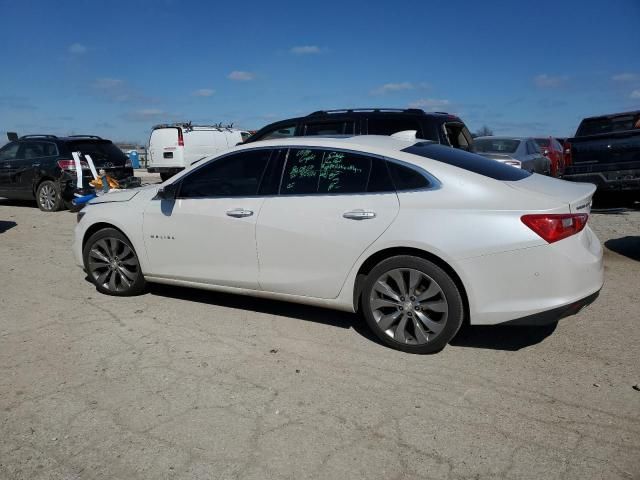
[{"x": 185, "y": 384}]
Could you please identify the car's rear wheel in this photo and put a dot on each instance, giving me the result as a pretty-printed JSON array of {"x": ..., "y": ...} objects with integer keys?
[
  {"x": 112, "y": 264},
  {"x": 49, "y": 197},
  {"x": 412, "y": 305}
]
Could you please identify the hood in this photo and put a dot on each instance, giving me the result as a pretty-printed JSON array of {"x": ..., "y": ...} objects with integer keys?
[
  {"x": 121, "y": 195},
  {"x": 576, "y": 194}
]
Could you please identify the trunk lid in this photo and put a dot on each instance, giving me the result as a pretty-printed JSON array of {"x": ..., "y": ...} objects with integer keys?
[{"x": 576, "y": 195}]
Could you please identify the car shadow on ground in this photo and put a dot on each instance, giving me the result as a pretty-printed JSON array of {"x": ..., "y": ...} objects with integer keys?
[
  {"x": 628, "y": 246},
  {"x": 6, "y": 225},
  {"x": 5, "y": 202},
  {"x": 488, "y": 337},
  {"x": 501, "y": 337}
]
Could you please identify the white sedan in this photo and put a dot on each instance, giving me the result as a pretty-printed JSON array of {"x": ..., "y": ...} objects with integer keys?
[{"x": 417, "y": 236}]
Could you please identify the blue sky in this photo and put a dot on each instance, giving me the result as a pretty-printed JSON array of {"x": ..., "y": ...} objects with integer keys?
[{"x": 116, "y": 68}]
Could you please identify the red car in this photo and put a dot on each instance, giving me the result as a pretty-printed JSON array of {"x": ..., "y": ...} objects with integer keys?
[{"x": 552, "y": 149}]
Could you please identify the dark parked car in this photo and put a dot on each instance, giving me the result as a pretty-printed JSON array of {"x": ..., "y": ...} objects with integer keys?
[
  {"x": 606, "y": 151},
  {"x": 440, "y": 127},
  {"x": 41, "y": 167}
]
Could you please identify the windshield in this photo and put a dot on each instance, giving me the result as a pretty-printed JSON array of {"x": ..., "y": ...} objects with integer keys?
[{"x": 495, "y": 145}]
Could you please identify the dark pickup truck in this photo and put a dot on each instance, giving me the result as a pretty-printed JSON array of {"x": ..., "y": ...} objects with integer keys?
[{"x": 606, "y": 151}]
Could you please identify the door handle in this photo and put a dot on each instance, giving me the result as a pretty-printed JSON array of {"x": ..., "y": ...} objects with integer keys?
[
  {"x": 239, "y": 213},
  {"x": 359, "y": 214}
]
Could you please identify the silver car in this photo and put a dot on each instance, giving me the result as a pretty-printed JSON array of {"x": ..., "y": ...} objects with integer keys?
[{"x": 520, "y": 152}]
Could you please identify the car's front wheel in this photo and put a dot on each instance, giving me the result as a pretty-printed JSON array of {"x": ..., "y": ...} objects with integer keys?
[
  {"x": 411, "y": 304},
  {"x": 49, "y": 196},
  {"x": 112, "y": 263}
]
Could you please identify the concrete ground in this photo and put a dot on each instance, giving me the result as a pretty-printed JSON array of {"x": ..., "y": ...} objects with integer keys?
[{"x": 184, "y": 384}]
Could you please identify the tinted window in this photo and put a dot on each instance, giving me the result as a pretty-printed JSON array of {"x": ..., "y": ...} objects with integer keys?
[
  {"x": 389, "y": 126},
  {"x": 329, "y": 128},
  {"x": 272, "y": 176},
  {"x": 468, "y": 161},
  {"x": 495, "y": 145},
  {"x": 280, "y": 132},
  {"x": 405, "y": 178},
  {"x": 620, "y": 123},
  {"x": 455, "y": 133},
  {"x": 542, "y": 142},
  {"x": 98, "y": 149},
  {"x": 9, "y": 152},
  {"x": 37, "y": 150},
  {"x": 330, "y": 172},
  {"x": 236, "y": 175}
]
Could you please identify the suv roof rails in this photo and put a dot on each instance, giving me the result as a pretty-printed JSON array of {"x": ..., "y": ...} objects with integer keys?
[
  {"x": 85, "y": 136},
  {"x": 377, "y": 109},
  {"x": 38, "y": 136}
]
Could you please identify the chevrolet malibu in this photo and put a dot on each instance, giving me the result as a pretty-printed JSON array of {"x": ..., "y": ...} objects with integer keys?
[{"x": 416, "y": 236}]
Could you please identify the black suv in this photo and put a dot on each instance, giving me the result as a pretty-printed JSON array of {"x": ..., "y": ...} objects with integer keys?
[
  {"x": 440, "y": 127},
  {"x": 41, "y": 167}
]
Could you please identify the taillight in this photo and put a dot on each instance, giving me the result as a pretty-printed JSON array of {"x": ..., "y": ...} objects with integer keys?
[
  {"x": 180, "y": 138},
  {"x": 566, "y": 153},
  {"x": 71, "y": 165},
  {"x": 554, "y": 227}
]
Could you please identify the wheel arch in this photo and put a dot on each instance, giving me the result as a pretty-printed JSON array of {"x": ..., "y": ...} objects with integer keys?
[
  {"x": 96, "y": 227},
  {"x": 379, "y": 256}
]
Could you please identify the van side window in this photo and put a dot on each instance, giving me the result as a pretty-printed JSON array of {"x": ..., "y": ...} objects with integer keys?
[{"x": 237, "y": 175}]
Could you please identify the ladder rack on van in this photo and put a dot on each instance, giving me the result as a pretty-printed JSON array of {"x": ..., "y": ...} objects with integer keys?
[{"x": 188, "y": 126}]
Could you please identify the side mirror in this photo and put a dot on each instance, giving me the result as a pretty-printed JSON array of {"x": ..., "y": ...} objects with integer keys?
[{"x": 168, "y": 192}]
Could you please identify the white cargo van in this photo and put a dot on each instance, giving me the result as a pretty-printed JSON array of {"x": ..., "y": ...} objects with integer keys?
[{"x": 173, "y": 147}]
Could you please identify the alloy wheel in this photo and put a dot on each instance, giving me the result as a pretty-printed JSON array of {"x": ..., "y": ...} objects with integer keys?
[
  {"x": 409, "y": 306},
  {"x": 113, "y": 264},
  {"x": 47, "y": 196}
]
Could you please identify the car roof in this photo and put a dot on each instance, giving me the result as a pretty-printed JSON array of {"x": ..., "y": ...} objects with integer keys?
[{"x": 364, "y": 142}]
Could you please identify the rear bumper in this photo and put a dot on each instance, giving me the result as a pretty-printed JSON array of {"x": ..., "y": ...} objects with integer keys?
[
  {"x": 528, "y": 283},
  {"x": 554, "y": 315},
  {"x": 613, "y": 180}
]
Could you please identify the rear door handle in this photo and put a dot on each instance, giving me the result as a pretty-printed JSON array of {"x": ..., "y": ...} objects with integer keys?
[
  {"x": 239, "y": 213},
  {"x": 359, "y": 214}
]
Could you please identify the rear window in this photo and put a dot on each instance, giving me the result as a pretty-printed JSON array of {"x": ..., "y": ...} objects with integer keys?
[
  {"x": 495, "y": 145},
  {"x": 468, "y": 161},
  {"x": 542, "y": 142},
  {"x": 98, "y": 149},
  {"x": 620, "y": 123}
]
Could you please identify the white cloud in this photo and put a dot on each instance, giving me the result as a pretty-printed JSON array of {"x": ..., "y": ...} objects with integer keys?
[
  {"x": 146, "y": 115},
  {"x": 625, "y": 77},
  {"x": 241, "y": 76},
  {"x": 107, "y": 83},
  {"x": 549, "y": 81},
  {"x": 392, "y": 87},
  {"x": 635, "y": 94},
  {"x": 430, "y": 103},
  {"x": 306, "y": 50},
  {"x": 204, "y": 92},
  {"x": 77, "y": 49}
]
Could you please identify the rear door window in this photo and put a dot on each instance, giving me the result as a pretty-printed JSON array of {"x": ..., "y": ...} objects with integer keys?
[
  {"x": 389, "y": 126},
  {"x": 405, "y": 178},
  {"x": 311, "y": 171},
  {"x": 467, "y": 161},
  {"x": 329, "y": 128}
]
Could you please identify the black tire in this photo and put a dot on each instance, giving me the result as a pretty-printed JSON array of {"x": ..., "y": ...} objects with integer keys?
[
  {"x": 164, "y": 176},
  {"x": 112, "y": 264},
  {"x": 49, "y": 196},
  {"x": 448, "y": 323}
]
